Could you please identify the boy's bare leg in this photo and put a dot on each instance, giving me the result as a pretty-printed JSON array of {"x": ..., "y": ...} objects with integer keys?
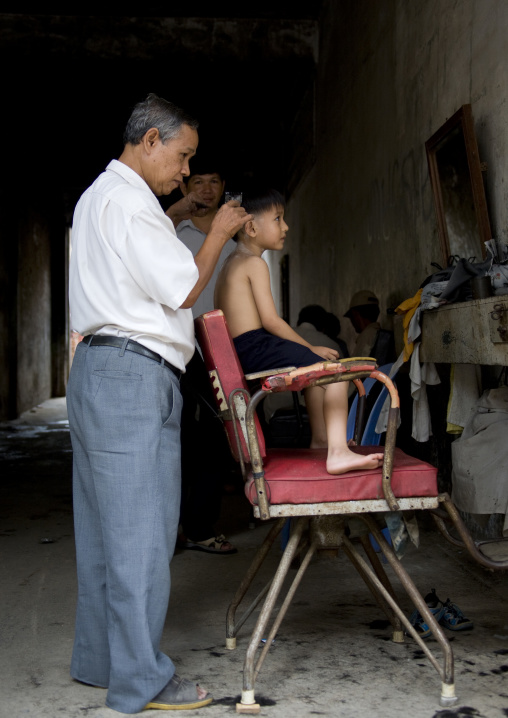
[
  {"x": 340, "y": 458},
  {"x": 314, "y": 401}
]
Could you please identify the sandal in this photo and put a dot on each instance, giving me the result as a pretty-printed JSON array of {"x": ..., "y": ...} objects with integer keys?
[
  {"x": 453, "y": 618},
  {"x": 212, "y": 545},
  {"x": 179, "y": 694},
  {"x": 436, "y": 607}
]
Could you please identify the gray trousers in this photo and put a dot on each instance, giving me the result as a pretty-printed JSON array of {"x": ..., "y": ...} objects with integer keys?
[{"x": 124, "y": 417}]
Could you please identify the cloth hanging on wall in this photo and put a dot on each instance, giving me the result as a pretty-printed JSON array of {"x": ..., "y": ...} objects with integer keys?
[
  {"x": 480, "y": 458},
  {"x": 465, "y": 390}
]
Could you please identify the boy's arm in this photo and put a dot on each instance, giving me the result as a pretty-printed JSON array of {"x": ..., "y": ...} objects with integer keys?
[{"x": 259, "y": 277}]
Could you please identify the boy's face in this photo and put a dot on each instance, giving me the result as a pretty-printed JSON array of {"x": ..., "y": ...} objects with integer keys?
[{"x": 271, "y": 228}]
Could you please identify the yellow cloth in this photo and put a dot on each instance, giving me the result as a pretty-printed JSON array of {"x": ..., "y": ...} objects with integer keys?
[{"x": 408, "y": 308}]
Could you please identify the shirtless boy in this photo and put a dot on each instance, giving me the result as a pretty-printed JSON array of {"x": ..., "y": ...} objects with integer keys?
[{"x": 263, "y": 340}]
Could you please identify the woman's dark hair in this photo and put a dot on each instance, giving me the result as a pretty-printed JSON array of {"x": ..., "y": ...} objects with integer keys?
[
  {"x": 331, "y": 326},
  {"x": 315, "y": 314}
]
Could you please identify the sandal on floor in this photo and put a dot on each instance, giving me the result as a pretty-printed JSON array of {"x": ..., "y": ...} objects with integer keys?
[
  {"x": 179, "y": 694},
  {"x": 436, "y": 607},
  {"x": 453, "y": 618},
  {"x": 212, "y": 545}
]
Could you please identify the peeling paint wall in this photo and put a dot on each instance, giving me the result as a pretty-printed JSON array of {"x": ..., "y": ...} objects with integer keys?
[{"x": 389, "y": 74}]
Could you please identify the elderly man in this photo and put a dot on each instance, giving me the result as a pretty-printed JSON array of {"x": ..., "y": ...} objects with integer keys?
[{"x": 132, "y": 284}]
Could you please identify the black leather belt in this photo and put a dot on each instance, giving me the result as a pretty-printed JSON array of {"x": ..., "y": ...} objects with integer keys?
[{"x": 100, "y": 340}]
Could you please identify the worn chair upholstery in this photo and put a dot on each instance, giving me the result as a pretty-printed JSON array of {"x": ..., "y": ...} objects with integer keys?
[{"x": 294, "y": 483}]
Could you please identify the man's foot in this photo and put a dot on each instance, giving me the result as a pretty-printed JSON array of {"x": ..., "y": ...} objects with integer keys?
[
  {"x": 340, "y": 462},
  {"x": 180, "y": 694},
  {"x": 217, "y": 544}
]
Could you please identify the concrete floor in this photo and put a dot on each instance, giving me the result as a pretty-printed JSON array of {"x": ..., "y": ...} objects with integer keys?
[{"x": 332, "y": 657}]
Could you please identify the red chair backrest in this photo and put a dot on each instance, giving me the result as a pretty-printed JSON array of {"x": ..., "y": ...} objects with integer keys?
[{"x": 226, "y": 374}]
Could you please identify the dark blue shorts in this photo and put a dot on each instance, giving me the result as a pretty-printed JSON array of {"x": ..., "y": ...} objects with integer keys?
[{"x": 259, "y": 350}]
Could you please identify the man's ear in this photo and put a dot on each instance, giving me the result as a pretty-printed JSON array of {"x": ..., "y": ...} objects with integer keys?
[
  {"x": 151, "y": 138},
  {"x": 184, "y": 189}
]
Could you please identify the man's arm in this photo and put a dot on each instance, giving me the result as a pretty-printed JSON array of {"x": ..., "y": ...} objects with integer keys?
[
  {"x": 228, "y": 220},
  {"x": 259, "y": 277}
]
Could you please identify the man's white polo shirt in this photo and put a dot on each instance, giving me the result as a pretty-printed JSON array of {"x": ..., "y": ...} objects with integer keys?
[{"x": 129, "y": 272}]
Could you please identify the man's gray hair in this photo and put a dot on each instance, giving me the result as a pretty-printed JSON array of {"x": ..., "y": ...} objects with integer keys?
[{"x": 159, "y": 113}]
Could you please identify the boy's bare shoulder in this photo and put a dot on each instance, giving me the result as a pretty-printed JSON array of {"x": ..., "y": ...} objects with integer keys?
[
  {"x": 238, "y": 261},
  {"x": 252, "y": 263}
]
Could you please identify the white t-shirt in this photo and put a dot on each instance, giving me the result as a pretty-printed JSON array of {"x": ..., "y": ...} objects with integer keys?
[
  {"x": 193, "y": 239},
  {"x": 129, "y": 272}
]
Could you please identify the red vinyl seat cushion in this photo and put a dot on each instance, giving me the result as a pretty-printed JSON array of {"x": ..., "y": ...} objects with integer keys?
[{"x": 300, "y": 477}]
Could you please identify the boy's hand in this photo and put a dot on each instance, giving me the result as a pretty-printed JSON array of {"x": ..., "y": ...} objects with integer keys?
[
  {"x": 326, "y": 353},
  {"x": 230, "y": 218}
]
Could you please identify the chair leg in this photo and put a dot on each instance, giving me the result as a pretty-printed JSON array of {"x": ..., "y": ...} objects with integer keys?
[
  {"x": 233, "y": 626},
  {"x": 398, "y": 633},
  {"x": 251, "y": 669},
  {"x": 466, "y": 538},
  {"x": 446, "y": 671}
]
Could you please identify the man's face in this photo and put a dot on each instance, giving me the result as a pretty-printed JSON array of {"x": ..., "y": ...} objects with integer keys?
[
  {"x": 168, "y": 163},
  {"x": 208, "y": 187}
]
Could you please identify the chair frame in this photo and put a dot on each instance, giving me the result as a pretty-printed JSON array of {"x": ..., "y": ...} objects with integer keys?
[{"x": 322, "y": 526}]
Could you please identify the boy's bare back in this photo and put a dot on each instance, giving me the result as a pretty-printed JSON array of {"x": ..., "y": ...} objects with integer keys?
[{"x": 240, "y": 279}]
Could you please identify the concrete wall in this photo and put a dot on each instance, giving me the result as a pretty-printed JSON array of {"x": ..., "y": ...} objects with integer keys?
[
  {"x": 33, "y": 312},
  {"x": 388, "y": 77},
  {"x": 26, "y": 311},
  {"x": 8, "y": 281}
]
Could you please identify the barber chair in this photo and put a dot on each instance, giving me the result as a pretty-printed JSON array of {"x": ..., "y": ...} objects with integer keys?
[{"x": 288, "y": 483}]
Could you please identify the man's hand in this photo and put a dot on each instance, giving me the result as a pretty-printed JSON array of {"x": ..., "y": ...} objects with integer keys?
[
  {"x": 226, "y": 223},
  {"x": 326, "y": 353},
  {"x": 229, "y": 219},
  {"x": 186, "y": 208}
]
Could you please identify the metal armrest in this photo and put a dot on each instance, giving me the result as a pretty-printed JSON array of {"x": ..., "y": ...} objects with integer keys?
[
  {"x": 268, "y": 372},
  {"x": 319, "y": 374}
]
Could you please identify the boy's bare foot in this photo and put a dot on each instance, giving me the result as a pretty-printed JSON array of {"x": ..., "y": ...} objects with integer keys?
[{"x": 340, "y": 462}]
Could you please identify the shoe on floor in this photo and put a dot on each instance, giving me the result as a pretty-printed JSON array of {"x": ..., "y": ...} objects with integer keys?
[
  {"x": 436, "y": 607},
  {"x": 453, "y": 618},
  {"x": 217, "y": 544},
  {"x": 179, "y": 694}
]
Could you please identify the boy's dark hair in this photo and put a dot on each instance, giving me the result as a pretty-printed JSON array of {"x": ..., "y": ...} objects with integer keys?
[
  {"x": 262, "y": 200},
  {"x": 259, "y": 201}
]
